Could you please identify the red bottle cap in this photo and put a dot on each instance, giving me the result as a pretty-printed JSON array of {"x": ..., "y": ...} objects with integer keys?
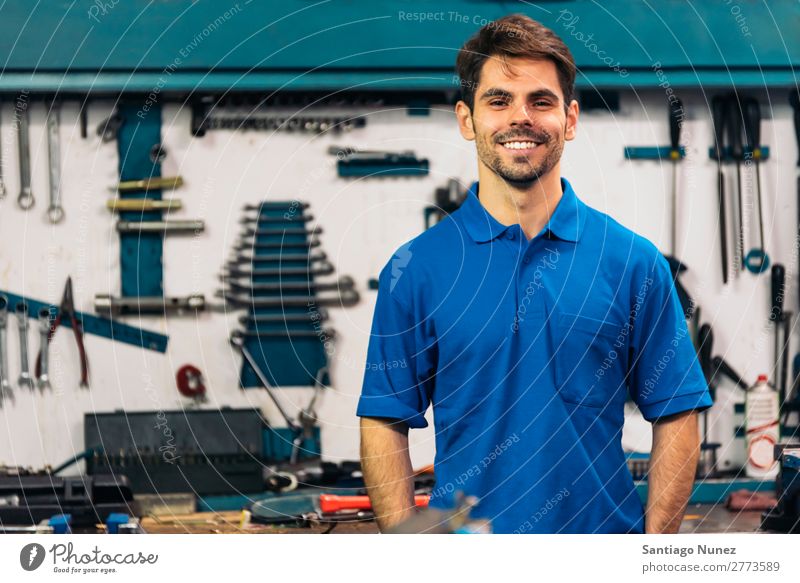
[{"x": 762, "y": 378}]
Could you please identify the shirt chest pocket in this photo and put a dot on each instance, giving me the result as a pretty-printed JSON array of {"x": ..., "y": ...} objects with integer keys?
[{"x": 590, "y": 360}]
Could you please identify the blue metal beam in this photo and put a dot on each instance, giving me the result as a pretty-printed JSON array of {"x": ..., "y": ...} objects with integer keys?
[{"x": 143, "y": 46}]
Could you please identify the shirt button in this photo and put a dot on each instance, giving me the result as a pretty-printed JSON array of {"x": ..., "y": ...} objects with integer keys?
[
  {"x": 510, "y": 235},
  {"x": 526, "y": 260}
]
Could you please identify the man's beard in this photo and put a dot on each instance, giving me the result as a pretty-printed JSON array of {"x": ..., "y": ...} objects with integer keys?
[{"x": 522, "y": 171}]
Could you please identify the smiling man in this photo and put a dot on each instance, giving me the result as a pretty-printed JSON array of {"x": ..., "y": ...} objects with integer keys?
[{"x": 525, "y": 319}]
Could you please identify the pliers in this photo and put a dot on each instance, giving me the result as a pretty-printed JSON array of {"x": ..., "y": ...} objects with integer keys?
[{"x": 66, "y": 310}]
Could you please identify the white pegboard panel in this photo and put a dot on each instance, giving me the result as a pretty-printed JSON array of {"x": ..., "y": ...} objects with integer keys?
[{"x": 364, "y": 222}]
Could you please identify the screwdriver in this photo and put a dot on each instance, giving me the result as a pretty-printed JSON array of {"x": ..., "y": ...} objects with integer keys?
[
  {"x": 757, "y": 260},
  {"x": 776, "y": 315},
  {"x": 734, "y": 127},
  {"x": 718, "y": 113},
  {"x": 675, "y": 119},
  {"x": 705, "y": 344},
  {"x": 676, "y": 267}
]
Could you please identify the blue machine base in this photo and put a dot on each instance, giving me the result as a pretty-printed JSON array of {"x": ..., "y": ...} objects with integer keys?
[{"x": 716, "y": 491}]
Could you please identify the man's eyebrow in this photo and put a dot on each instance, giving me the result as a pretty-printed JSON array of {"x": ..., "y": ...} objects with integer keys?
[
  {"x": 543, "y": 93},
  {"x": 496, "y": 92}
]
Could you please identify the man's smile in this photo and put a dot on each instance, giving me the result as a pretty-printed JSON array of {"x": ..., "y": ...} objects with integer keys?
[{"x": 520, "y": 146}]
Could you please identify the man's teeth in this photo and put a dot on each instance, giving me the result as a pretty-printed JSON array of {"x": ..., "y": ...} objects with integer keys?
[{"x": 519, "y": 145}]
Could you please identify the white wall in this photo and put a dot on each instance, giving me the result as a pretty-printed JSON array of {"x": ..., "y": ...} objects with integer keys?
[{"x": 364, "y": 221}]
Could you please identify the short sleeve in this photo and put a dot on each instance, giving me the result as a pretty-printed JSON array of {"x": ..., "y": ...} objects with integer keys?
[
  {"x": 666, "y": 377},
  {"x": 400, "y": 367}
]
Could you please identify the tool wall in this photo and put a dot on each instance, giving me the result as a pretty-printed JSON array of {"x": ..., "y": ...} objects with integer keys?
[
  {"x": 345, "y": 179},
  {"x": 364, "y": 222}
]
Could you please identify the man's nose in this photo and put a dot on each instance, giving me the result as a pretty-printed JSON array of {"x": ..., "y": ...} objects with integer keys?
[{"x": 521, "y": 116}]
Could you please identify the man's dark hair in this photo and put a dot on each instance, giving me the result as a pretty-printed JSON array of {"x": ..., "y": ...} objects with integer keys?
[{"x": 515, "y": 35}]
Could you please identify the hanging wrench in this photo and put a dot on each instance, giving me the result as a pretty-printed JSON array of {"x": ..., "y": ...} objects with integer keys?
[
  {"x": 45, "y": 323},
  {"x": 55, "y": 211},
  {"x": 5, "y": 384},
  {"x": 2, "y": 184},
  {"x": 25, "y": 377},
  {"x": 25, "y": 199}
]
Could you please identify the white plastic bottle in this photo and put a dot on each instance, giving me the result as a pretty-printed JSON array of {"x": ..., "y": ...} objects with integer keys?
[{"x": 761, "y": 412}]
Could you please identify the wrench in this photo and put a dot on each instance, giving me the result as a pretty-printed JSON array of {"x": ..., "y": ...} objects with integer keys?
[
  {"x": 5, "y": 385},
  {"x": 266, "y": 220},
  {"x": 250, "y": 232},
  {"x": 346, "y": 297},
  {"x": 324, "y": 268},
  {"x": 244, "y": 244},
  {"x": 25, "y": 377},
  {"x": 321, "y": 314},
  {"x": 2, "y": 184},
  {"x": 25, "y": 199},
  {"x": 241, "y": 258},
  {"x": 344, "y": 282},
  {"x": 55, "y": 212},
  {"x": 45, "y": 323}
]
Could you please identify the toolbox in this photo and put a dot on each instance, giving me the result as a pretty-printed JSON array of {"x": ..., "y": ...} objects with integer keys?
[
  {"x": 29, "y": 498},
  {"x": 217, "y": 451}
]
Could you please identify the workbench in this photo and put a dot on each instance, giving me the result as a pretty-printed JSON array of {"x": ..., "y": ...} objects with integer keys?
[{"x": 700, "y": 519}]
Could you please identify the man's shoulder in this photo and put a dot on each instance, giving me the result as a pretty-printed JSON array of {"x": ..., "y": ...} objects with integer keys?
[
  {"x": 426, "y": 254},
  {"x": 431, "y": 244},
  {"x": 618, "y": 241}
]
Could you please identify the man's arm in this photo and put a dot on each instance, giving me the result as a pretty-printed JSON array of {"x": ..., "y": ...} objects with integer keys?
[
  {"x": 673, "y": 464},
  {"x": 386, "y": 466}
]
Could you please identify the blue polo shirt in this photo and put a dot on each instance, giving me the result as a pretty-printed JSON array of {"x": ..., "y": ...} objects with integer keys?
[{"x": 527, "y": 350}]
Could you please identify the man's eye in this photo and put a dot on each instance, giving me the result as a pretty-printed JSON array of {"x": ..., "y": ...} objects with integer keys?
[
  {"x": 541, "y": 103},
  {"x": 497, "y": 102}
]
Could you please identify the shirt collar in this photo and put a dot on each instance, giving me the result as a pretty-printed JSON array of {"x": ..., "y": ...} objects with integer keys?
[{"x": 565, "y": 223}]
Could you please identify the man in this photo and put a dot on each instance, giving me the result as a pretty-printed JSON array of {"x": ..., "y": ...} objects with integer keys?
[{"x": 525, "y": 318}]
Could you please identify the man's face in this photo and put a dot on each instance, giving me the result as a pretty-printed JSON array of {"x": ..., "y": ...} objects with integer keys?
[{"x": 519, "y": 122}]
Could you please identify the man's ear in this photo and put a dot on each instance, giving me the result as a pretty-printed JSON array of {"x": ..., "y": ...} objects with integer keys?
[
  {"x": 464, "y": 117},
  {"x": 572, "y": 121}
]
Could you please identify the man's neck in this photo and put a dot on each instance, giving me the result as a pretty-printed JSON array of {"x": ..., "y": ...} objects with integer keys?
[{"x": 529, "y": 205}]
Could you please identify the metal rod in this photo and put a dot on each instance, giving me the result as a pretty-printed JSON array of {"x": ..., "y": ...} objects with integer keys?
[
  {"x": 143, "y": 204},
  {"x": 238, "y": 341},
  {"x": 154, "y": 183},
  {"x": 166, "y": 227},
  {"x": 144, "y": 305}
]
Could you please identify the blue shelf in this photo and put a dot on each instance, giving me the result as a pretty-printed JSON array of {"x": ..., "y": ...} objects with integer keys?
[{"x": 185, "y": 45}]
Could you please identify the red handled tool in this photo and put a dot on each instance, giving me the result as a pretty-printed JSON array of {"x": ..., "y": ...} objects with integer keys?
[{"x": 334, "y": 503}]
